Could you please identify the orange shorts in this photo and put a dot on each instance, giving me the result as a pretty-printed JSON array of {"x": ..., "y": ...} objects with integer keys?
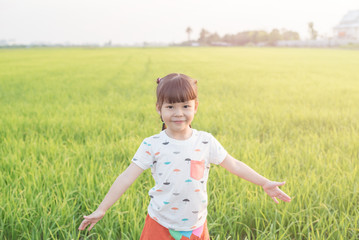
[{"x": 155, "y": 231}]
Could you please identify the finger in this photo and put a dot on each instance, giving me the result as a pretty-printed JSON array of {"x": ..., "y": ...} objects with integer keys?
[
  {"x": 286, "y": 199},
  {"x": 280, "y": 197},
  {"x": 89, "y": 218},
  {"x": 285, "y": 196},
  {"x": 280, "y": 184},
  {"x": 275, "y": 200},
  {"x": 83, "y": 225},
  {"x": 91, "y": 226}
]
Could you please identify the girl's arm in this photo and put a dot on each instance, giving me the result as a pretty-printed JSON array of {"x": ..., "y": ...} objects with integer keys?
[
  {"x": 122, "y": 183},
  {"x": 243, "y": 171}
]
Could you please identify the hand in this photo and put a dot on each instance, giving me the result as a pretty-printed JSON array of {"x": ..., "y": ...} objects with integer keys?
[
  {"x": 271, "y": 188},
  {"x": 93, "y": 219}
]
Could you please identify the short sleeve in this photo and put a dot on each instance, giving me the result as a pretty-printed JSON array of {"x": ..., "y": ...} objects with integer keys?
[
  {"x": 216, "y": 152},
  {"x": 143, "y": 157}
]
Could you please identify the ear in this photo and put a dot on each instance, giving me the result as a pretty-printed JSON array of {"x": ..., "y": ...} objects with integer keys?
[
  {"x": 158, "y": 109},
  {"x": 196, "y": 106}
]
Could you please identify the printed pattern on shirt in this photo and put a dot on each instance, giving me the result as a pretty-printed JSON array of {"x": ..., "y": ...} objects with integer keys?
[{"x": 180, "y": 170}]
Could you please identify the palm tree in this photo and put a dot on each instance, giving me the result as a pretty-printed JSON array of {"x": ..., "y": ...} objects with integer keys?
[
  {"x": 313, "y": 33},
  {"x": 189, "y": 31}
]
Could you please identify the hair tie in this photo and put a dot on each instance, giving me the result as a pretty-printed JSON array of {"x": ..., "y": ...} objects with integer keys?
[{"x": 158, "y": 80}]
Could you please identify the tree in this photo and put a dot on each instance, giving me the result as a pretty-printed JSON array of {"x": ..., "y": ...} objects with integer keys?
[
  {"x": 203, "y": 36},
  {"x": 312, "y": 32},
  {"x": 274, "y": 36},
  {"x": 229, "y": 38},
  {"x": 290, "y": 35},
  {"x": 262, "y": 36},
  {"x": 214, "y": 37},
  {"x": 243, "y": 38},
  {"x": 189, "y": 31}
]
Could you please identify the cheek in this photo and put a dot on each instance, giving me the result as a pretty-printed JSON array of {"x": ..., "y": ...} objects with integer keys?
[
  {"x": 190, "y": 111},
  {"x": 165, "y": 115},
  {"x": 190, "y": 115}
]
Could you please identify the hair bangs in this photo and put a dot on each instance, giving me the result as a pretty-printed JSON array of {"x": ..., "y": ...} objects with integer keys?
[
  {"x": 176, "y": 88},
  {"x": 178, "y": 91}
]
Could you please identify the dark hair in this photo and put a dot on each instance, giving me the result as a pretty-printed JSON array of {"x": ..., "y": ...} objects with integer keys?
[{"x": 174, "y": 88}]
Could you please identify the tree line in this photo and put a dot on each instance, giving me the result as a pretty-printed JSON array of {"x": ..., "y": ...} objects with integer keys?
[{"x": 243, "y": 38}]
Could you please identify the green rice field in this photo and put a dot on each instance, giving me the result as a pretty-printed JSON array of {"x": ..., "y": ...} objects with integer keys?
[{"x": 72, "y": 119}]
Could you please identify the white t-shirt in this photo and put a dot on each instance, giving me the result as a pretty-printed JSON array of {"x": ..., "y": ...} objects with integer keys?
[{"x": 180, "y": 169}]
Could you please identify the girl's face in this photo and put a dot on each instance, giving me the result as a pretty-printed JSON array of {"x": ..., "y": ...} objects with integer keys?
[{"x": 178, "y": 116}]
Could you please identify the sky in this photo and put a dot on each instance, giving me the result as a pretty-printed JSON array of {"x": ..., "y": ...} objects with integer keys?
[{"x": 160, "y": 21}]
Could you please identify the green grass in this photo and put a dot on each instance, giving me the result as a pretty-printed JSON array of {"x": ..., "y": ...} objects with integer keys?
[{"x": 71, "y": 120}]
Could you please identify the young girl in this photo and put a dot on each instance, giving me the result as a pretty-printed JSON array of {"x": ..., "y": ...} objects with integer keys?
[{"x": 179, "y": 158}]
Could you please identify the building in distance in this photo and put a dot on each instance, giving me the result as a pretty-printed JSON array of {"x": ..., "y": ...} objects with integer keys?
[{"x": 348, "y": 27}]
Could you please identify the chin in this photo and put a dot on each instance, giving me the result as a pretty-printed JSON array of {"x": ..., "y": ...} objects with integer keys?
[{"x": 179, "y": 128}]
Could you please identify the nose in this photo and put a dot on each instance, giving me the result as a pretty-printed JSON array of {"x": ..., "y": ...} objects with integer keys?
[{"x": 178, "y": 112}]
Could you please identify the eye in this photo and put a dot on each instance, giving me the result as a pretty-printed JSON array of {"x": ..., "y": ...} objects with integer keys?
[
  {"x": 187, "y": 106},
  {"x": 170, "y": 107}
]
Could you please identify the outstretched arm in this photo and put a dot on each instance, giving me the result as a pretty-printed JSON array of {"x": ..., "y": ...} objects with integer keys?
[
  {"x": 243, "y": 171},
  {"x": 121, "y": 184}
]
